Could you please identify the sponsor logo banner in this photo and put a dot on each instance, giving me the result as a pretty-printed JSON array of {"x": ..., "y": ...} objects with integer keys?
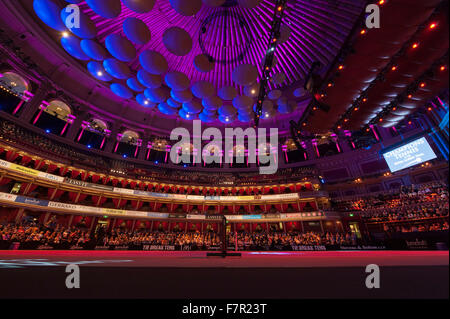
[
  {"x": 177, "y": 196},
  {"x": 193, "y": 216},
  {"x": 51, "y": 177},
  {"x": 272, "y": 216},
  {"x": 306, "y": 248},
  {"x": 195, "y": 197},
  {"x": 123, "y": 190},
  {"x": 213, "y": 197},
  {"x": 158, "y": 215},
  {"x": 251, "y": 216},
  {"x": 176, "y": 215},
  {"x": 233, "y": 217},
  {"x": 214, "y": 217},
  {"x": 31, "y": 201},
  {"x": 8, "y": 197},
  {"x": 158, "y": 247},
  {"x": 75, "y": 182}
]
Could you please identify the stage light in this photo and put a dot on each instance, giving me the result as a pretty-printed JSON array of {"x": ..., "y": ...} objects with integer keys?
[
  {"x": 433, "y": 25},
  {"x": 65, "y": 34},
  {"x": 429, "y": 108},
  {"x": 47, "y": 131},
  {"x": 381, "y": 2},
  {"x": 363, "y": 31},
  {"x": 442, "y": 68},
  {"x": 341, "y": 67},
  {"x": 356, "y": 109},
  {"x": 99, "y": 73},
  {"x": 415, "y": 45},
  {"x": 409, "y": 96},
  {"x": 394, "y": 68},
  {"x": 89, "y": 146},
  {"x": 381, "y": 120},
  {"x": 422, "y": 84},
  {"x": 364, "y": 100}
]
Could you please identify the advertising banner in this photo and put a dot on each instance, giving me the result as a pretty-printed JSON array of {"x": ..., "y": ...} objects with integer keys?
[{"x": 31, "y": 201}]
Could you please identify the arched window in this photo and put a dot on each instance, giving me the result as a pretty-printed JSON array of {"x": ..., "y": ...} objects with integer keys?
[
  {"x": 93, "y": 134},
  {"x": 54, "y": 117},
  {"x": 128, "y": 144},
  {"x": 14, "y": 92},
  {"x": 59, "y": 109}
]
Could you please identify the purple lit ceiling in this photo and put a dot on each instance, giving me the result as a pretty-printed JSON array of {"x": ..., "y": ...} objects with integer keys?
[{"x": 231, "y": 34}]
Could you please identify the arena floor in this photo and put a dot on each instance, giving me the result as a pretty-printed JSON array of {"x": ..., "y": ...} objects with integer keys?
[{"x": 257, "y": 275}]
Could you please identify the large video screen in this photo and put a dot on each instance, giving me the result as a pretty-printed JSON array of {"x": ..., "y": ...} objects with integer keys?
[{"x": 413, "y": 153}]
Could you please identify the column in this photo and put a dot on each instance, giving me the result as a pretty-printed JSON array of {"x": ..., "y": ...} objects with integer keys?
[
  {"x": 31, "y": 107},
  {"x": 113, "y": 137},
  {"x": 76, "y": 125}
]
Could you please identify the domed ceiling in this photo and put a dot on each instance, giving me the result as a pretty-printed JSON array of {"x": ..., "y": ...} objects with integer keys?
[{"x": 201, "y": 59}]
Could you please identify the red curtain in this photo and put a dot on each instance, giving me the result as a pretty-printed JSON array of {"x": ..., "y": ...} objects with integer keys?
[
  {"x": 82, "y": 197},
  {"x": 74, "y": 174},
  {"x": 63, "y": 171},
  {"x": 136, "y": 204},
  {"x": 73, "y": 196},
  {"x": 51, "y": 168},
  {"x": 38, "y": 164},
  {"x": 95, "y": 178},
  {"x": 25, "y": 160},
  {"x": 11, "y": 156},
  {"x": 4, "y": 181}
]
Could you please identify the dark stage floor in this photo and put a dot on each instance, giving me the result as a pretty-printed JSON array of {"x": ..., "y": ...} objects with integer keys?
[{"x": 257, "y": 275}]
